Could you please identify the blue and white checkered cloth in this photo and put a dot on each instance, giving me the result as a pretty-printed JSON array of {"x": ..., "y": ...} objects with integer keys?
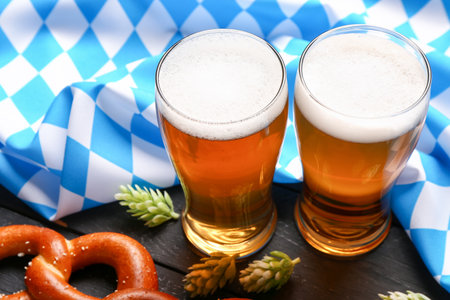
[{"x": 77, "y": 112}]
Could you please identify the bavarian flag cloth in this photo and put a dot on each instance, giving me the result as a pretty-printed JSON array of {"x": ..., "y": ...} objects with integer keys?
[{"x": 77, "y": 111}]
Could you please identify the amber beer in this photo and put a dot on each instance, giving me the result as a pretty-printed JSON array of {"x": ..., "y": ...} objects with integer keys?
[
  {"x": 361, "y": 97},
  {"x": 222, "y": 107}
]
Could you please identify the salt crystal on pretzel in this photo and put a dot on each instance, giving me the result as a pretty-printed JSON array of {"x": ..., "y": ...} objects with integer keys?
[
  {"x": 132, "y": 262},
  {"x": 47, "y": 244},
  {"x": 139, "y": 294}
]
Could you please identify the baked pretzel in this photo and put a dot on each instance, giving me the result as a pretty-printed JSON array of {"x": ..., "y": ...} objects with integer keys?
[
  {"x": 132, "y": 262},
  {"x": 49, "y": 246},
  {"x": 139, "y": 294}
]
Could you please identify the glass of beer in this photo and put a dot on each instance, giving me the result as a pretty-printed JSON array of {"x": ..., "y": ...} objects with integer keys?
[
  {"x": 221, "y": 98},
  {"x": 361, "y": 98}
]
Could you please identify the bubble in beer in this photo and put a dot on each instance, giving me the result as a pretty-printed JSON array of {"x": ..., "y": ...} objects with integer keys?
[
  {"x": 219, "y": 81},
  {"x": 358, "y": 79}
]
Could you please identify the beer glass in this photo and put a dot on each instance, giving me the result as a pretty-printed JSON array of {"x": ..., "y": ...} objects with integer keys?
[
  {"x": 361, "y": 98},
  {"x": 221, "y": 99}
]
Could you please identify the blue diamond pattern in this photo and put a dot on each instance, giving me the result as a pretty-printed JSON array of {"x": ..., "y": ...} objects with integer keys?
[
  {"x": 3, "y": 94},
  {"x": 88, "y": 55},
  {"x": 33, "y": 105},
  {"x": 317, "y": 25},
  {"x": 76, "y": 166},
  {"x": 370, "y": 3},
  {"x": 436, "y": 121},
  {"x": 90, "y": 9},
  {"x": 406, "y": 30},
  {"x": 222, "y": 11},
  {"x": 180, "y": 10},
  {"x": 15, "y": 172},
  {"x": 296, "y": 47},
  {"x": 111, "y": 141},
  {"x": 135, "y": 9},
  {"x": 143, "y": 183},
  {"x": 410, "y": 193},
  {"x": 146, "y": 131},
  {"x": 27, "y": 144},
  {"x": 267, "y": 13},
  {"x": 44, "y": 210},
  {"x": 439, "y": 173},
  {"x": 176, "y": 37},
  {"x": 145, "y": 72},
  {"x": 439, "y": 65},
  {"x": 90, "y": 88},
  {"x": 442, "y": 44},
  {"x": 132, "y": 50},
  {"x": 431, "y": 245},
  {"x": 413, "y": 6},
  {"x": 4, "y": 4},
  {"x": 112, "y": 76},
  {"x": 7, "y": 50},
  {"x": 44, "y": 7},
  {"x": 89, "y": 203},
  {"x": 351, "y": 19},
  {"x": 59, "y": 112},
  {"x": 447, "y": 7},
  {"x": 444, "y": 161},
  {"x": 42, "y": 50}
]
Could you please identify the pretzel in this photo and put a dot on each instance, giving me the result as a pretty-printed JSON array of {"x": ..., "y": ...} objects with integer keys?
[
  {"x": 139, "y": 294},
  {"x": 49, "y": 246},
  {"x": 133, "y": 264}
]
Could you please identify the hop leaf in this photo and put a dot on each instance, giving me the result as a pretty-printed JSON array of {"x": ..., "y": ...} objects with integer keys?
[
  {"x": 403, "y": 296},
  {"x": 270, "y": 272},
  {"x": 214, "y": 272},
  {"x": 148, "y": 205}
]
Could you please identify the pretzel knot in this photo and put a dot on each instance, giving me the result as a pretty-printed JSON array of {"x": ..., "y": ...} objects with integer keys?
[
  {"x": 48, "y": 273},
  {"x": 49, "y": 246}
]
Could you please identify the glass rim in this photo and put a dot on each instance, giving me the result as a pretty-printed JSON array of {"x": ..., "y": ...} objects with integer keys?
[
  {"x": 354, "y": 28},
  {"x": 212, "y": 31}
]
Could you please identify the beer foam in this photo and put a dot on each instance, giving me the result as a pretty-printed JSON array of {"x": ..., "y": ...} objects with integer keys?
[
  {"x": 219, "y": 80},
  {"x": 367, "y": 88}
]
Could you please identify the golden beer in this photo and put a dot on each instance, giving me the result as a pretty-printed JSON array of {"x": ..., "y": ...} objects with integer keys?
[
  {"x": 225, "y": 162},
  {"x": 355, "y": 139}
]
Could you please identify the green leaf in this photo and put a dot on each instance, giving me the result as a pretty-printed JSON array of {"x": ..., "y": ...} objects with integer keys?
[
  {"x": 270, "y": 272},
  {"x": 148, "y": 205},
  {"x": 214, "y": 272},
  {"x": 402, "y": 296}
]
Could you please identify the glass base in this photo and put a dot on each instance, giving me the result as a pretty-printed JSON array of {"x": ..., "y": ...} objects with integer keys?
[
  {"x": 337, "y": 234},
  {"x": 228, "y": 241}
]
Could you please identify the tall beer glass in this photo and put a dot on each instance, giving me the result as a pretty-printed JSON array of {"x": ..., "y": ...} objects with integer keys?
[
  {"x": 221, "y": 98},
  {"x": 361, "y": 97}
]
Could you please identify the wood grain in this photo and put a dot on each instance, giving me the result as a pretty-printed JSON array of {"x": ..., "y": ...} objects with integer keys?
[{"x": 395, "y": 265}]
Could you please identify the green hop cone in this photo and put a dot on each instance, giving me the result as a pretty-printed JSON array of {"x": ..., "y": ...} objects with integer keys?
[
  {"x": 148, "y": 205},
  {"x": 214, "y": 272},
  {"x": 402, "y": 296},
  {"x": 270, "y": 272}
]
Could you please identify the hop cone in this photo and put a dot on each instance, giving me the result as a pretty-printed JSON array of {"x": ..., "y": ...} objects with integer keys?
[
  {"x": 403, "y": 296},
  {"x": 152, "y": 207},
  {"x": 214, "y": 272},
  {"x": 270, "y": 272}
]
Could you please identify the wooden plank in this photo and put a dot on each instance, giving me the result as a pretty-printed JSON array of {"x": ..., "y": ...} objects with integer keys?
[
  {"x": 96, "y": 280},
  {"x": 395, "y": 265}
]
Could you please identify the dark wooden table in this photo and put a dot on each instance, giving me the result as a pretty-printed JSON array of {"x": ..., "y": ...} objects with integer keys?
[{"x": 395, "y": 265}]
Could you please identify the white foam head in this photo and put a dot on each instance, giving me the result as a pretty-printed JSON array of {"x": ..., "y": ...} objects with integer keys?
[
  {"x": 362, "y": 87},
  {"x": 214, "y": 83}
]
